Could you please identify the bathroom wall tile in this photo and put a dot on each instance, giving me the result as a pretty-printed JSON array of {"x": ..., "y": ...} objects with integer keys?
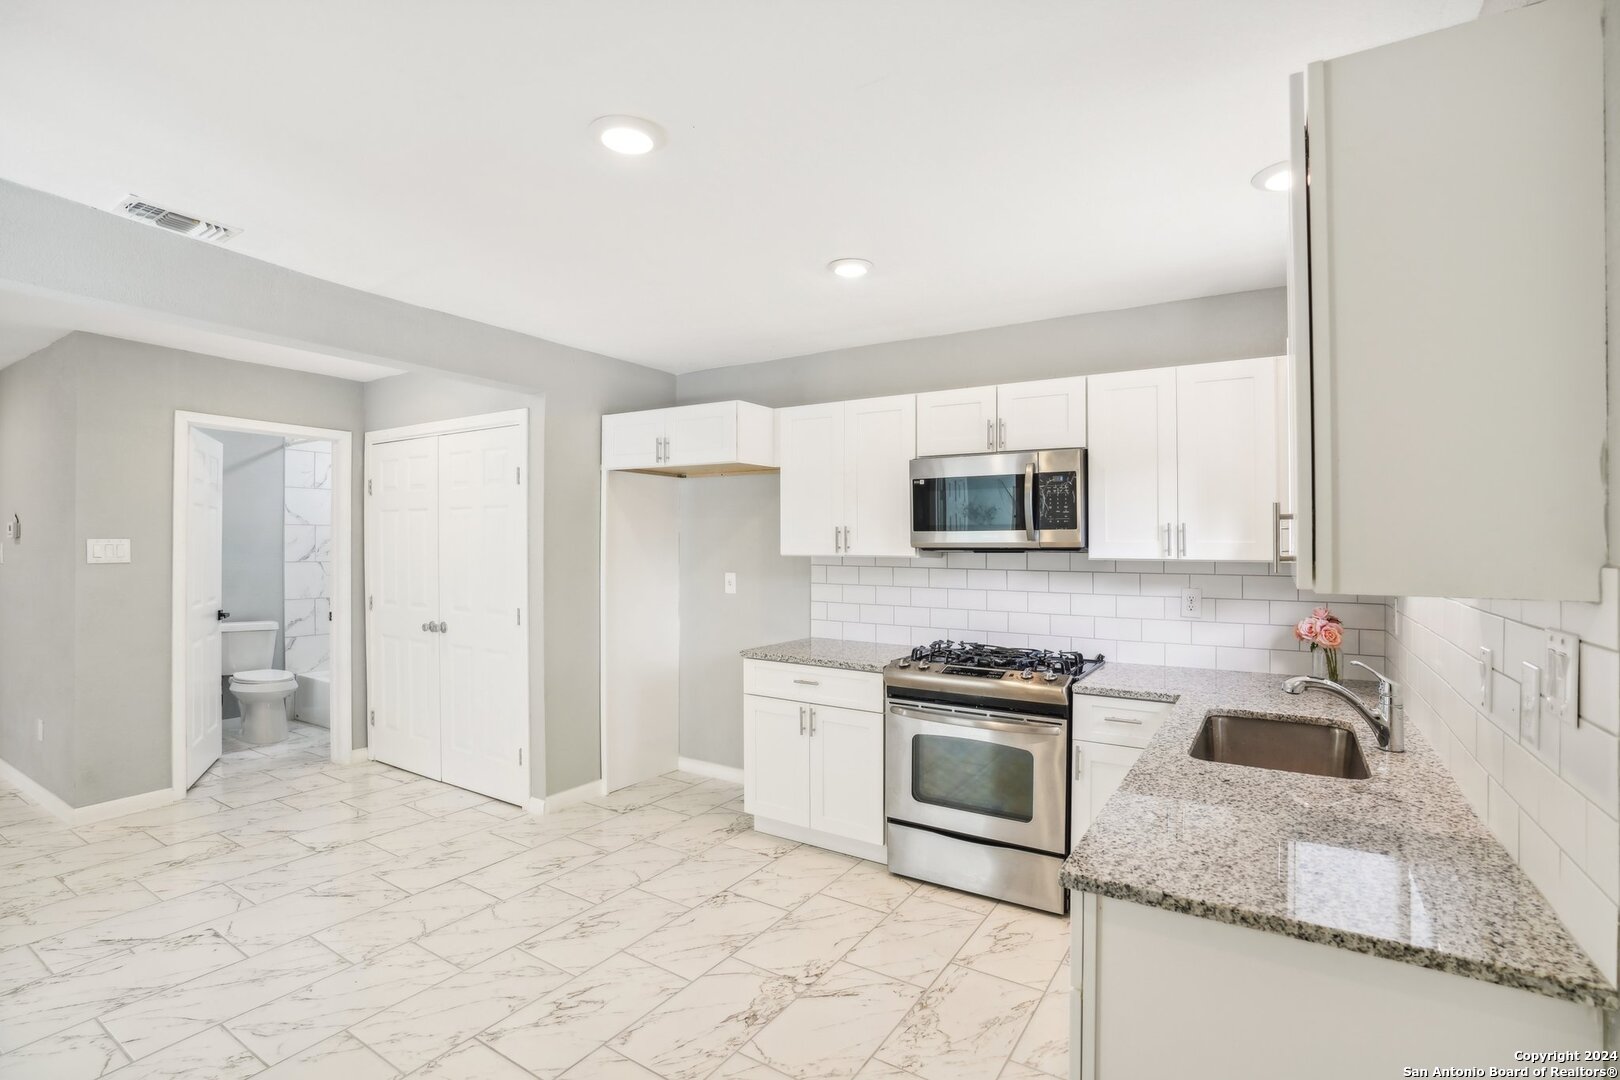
[
  {"x": 308, "y": 507},
  {"x": 300, "y": 468},
  {"x": 308, "y": 653},
  {"x": 299, "y": 543},
  {"x": 322, "y": 476},
  {"x": 300, "y": 619},
  {"x": 305, "y": 581}
]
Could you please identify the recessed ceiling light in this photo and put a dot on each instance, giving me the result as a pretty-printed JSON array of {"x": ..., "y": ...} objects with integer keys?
[
  {"x": 850, "y": 268},
  {"x": 630, "y": 135},
  {"x": 1278, "y": 177}
]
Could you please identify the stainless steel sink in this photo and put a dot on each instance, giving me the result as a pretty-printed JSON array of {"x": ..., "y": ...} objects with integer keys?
[{"x": 1287, "y": 746}]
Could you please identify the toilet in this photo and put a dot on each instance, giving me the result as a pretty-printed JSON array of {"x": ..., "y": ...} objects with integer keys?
[{"x": 246, "y": 651}]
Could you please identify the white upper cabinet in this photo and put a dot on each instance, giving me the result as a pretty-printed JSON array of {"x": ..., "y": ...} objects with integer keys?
[
  {"x": 846, "y": 477},
  {"x": 880, "y": 439},
  {"x": 1226, "y": 460},
  {"x": 717, "y": 436},
  {"x": 1048, "y": 414},
  {"x": 1131, "y": 464},
  {"x": 1183, "y": 462},
  {"x": 1447, "y": 306},
  {"x": 811, "y": 452},
  {"x": 956, "y": 421}
]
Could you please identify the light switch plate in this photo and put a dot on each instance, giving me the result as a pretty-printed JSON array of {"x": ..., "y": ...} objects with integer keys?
[
  {"x": 731, "y": 583},
  {"x": 106, "y": 551},
  {"x": 1192, "y": 603},
  {"x": 1530, "y": 704},
  {"x": 1561, "y": 679}
]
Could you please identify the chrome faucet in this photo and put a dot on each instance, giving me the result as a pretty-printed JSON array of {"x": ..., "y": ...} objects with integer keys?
[{"x": 1388, "y": 723}]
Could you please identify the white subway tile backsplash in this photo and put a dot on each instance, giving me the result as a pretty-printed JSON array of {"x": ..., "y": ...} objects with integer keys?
[
  {"x": 988, "y": 621},
  {"x": 1195, "y": 656},
  {"x": 1117, "y": 584},
  {"x": 966, "y": 599},
  {"x": 1141, "y": 607},
  {"x": 844, "y": 575},
  {"x": 947, "y": 579},
  {"x": 877, "y": 575},
  {"x": 1046, "y": 603},
  {"x": 1017, "y": 601},
  {"x": 1603, "y": 851},
  {"x": 1027, "y": 580},
  {"x": 1047, "y": 560},
  {"x": 1029, "y": 623},
  {"x": 1071, "y": 581},
  {"x": 1141, "y": 652}
]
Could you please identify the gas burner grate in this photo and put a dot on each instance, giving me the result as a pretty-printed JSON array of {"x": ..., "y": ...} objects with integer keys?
[{"x": 972, "y": 654}]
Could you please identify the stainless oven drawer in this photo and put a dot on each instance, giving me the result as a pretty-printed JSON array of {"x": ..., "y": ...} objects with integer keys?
[{"x": 979, "y": 774}]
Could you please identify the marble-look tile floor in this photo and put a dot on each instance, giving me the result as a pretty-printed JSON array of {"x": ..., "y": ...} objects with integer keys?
[{"x": 295, "y": 918}]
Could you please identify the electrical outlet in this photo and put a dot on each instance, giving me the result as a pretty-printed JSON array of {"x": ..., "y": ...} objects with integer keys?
[
  {"x": 106, "y": 551},
  {"x": 1530, "y": 704},
  {"x": 1562, "y": 678},
  {"x": 1192, "y": 603},
  {"x": 731, "y": 583}
]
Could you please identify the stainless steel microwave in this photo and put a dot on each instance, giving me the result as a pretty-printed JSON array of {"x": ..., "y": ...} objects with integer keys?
[{"x": 999, "y": 502}]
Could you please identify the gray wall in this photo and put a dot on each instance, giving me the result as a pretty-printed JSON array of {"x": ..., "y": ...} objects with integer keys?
[
  {"x": 418, "y": 398},
  {"x": 731, "y": 523},
  {"x": 61, "y": 249},
  {"x": 1184, "y": 332},
  {"x": 93, "y": 645},
  {"x": 254, "y": 520},
  {"x": 37, "y": 644}
]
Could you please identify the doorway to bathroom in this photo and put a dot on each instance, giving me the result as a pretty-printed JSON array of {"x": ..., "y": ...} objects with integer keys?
[{"x": 262, "y": 617}]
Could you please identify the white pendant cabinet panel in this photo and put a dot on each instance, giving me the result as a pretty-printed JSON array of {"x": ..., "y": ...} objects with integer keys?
[
  {"x": 1131, "y": 464},
  {"x": 880, "y": 439},
  {"x": 1048, "y": 414},
  {"x": 1447, "y": 308},
  {"x": 811, "y": 452},
  {"x": 710, "y": 435},
  {"x": 1226, "y": 474},
  {"x": 956, "y": 421},
  {"x": 846, "y": 773},
  {"x": 846, "y": 477}
]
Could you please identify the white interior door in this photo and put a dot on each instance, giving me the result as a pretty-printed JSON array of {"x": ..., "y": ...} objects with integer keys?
[
  {"x": 402, "y": 574},
  {"x": 1226, "y": 446},
  {"x": 205, "y": 588},
  {"x": 641, "y": 627},
  {"x": 483, "y": 589},
  {"x": 811, "y": 456},
  {"x": 1131, "y": 464},
  {"x": 880, "y": 439}
]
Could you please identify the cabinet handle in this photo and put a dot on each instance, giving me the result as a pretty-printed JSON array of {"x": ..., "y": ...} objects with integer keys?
[
  {"x": 801, "y": 719},
  {"x": 1078, "y": 759},
  {"x": 806, "y": 682},
  {"x": 837, "y": 542},
  {"x": 1167, "y": 539},
  {"x": 846, "y": 539},
  {"x": 1001, "y": 443},
  {"x": 1181, "y": 532},
  {"x": 1122, "y": 720},
  {"x": 989, "y": 435},
  {"x": 812, "y": 720}
]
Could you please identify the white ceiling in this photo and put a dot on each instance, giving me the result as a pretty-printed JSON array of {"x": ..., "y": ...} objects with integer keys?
[{"x": 999, "y": 162}]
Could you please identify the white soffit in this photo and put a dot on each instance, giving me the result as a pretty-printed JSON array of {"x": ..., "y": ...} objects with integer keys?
[{"x": 997, "y": 162}]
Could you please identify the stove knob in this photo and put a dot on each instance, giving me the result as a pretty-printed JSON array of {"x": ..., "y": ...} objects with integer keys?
[
  {"x": 1051, "y": 676},
  {"x": 1028, "y": 675},
  {"x": 903, "y": 664},
  {"x": 923, "y": 666}
]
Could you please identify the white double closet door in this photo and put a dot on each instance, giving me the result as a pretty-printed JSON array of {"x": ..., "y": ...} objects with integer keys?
[{"x": 447, "y": 576}]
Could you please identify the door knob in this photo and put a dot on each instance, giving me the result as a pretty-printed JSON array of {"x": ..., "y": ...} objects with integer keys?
[{"x": 444, "y": 628}]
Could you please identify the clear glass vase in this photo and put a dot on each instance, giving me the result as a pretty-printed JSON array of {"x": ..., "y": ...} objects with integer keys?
[{"x": 1325, "y": 663}]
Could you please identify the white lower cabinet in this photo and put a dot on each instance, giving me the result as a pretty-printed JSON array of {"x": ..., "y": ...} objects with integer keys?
[
  {"x": 1109, "y": 736},
  {"x": 813, "y": 771}
]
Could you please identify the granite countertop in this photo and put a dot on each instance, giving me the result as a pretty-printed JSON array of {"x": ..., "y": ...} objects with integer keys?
[
  {"x": 1397, "y": 865},
  {"x": 828, "y": 652}
]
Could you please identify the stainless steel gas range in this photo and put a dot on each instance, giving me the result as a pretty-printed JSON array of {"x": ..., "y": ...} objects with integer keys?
[{"x": 977, "y": 765}]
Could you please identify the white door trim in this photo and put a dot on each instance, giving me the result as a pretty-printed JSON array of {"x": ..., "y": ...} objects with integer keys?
[
  {"x": 518, "y": 418},
  {"x": 342, "y": 701}
]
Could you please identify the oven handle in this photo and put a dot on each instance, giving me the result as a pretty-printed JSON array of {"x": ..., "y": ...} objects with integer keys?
[{"x": 984, "y": 721}]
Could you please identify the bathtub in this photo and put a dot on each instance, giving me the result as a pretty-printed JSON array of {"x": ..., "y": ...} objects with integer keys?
[{"x": 313, "y": 701}]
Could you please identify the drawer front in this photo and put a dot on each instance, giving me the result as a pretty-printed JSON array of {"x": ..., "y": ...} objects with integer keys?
[
  {"x": 814, "y": 685},
  {"x": 1120, "y": 721}
]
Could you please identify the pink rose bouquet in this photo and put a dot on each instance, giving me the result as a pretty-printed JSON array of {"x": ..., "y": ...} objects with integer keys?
[{"x": 1325, "y": 633}]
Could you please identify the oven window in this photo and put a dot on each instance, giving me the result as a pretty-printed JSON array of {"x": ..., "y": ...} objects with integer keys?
[
  {"x": 979, "y": 777},
  {"x": 968, "y": 504}
]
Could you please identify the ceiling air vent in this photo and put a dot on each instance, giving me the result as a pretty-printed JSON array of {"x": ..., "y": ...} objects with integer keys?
[{"x": 176, "y": 222}]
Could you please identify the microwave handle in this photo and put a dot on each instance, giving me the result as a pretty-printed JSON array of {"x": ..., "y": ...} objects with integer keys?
[{"x": 1029, "y": 503}]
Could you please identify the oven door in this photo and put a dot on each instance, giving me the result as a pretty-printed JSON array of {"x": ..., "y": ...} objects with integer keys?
[
  {"x": 981, "y": 774},
  {"x": 999, "y": 501}
]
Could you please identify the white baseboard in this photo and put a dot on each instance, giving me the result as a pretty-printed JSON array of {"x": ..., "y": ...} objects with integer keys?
[
  {"x": 557, "y": 801},
  {"x": 42, "y": 797},
  {"x": 711, "y": 770},
  {"x": 877, "y": 853},
  {"x": 357, "y": 756}
]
